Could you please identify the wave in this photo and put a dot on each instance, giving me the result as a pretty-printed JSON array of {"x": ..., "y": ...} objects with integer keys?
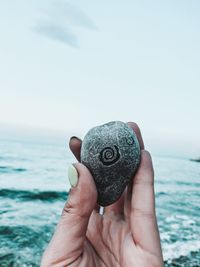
[
  {"x": 158, "y": 194},
  {"x": 175, "y": 182},
  {"x": 9, "y": 169},
  {"x": 25, "y": 235},
  {"x": 23, "y": 245},
  {"x": 11, "y": 260},
  {"x": 25, "y": 195},
  {"x": 176, "y": 194},
  {"x": 12, "y": 158},
  {"x": 191, "y": 260},
  {"x": 188, "y": 183},
  {"x": 182, "y": 252}
]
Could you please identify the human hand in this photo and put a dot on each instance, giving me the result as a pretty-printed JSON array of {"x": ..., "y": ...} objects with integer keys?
[{"x": 125, "y": 235}]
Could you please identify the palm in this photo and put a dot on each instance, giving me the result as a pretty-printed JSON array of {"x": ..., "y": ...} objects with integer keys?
[{"x": 110, "y": 243}]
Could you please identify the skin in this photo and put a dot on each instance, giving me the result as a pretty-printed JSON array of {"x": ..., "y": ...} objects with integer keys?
[{"x": 125, "y": 235}]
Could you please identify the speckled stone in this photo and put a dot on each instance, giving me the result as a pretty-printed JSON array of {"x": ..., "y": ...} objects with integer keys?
[{"x": 112, "y": 154}]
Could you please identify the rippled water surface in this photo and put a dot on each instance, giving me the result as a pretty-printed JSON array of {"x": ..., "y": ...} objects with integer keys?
[{"x": 33, "y": 190}]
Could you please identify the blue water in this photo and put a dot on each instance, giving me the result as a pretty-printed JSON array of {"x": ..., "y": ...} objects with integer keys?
[{"x": 33, "y": 190}]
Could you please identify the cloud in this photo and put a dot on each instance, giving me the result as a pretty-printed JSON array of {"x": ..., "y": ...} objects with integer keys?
[
  {"x": 59, "y": 20},
  {"x": 57, "y": 32},
  {"x": 63, "y": 10}
]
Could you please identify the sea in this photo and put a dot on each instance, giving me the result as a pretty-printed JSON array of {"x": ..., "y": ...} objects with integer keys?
[{"x": 34, "y": 188}]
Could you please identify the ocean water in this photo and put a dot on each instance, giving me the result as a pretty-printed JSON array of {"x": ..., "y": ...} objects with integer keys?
[{"x": 33, "y": 190}]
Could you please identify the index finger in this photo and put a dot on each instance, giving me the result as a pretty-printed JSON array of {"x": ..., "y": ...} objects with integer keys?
[{"x": 75, "y": 146}]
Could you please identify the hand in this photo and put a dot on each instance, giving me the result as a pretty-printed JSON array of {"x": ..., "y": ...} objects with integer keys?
[{"x": 126, "y": 235}]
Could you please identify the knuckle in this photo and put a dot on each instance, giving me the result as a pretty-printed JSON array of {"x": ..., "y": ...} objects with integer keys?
[
  {"x": 68, "y": 208},
  {"x": 139, "y": 213},
  {"x": 134, "y": 126},
  {"x": 75, "y": 211},
  {"x": 146, "y": 155},
  {"x": 147, "y": 160}
]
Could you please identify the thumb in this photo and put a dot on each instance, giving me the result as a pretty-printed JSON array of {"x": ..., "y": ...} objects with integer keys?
[
  {"x": 83, "y": 193},
  {"x": 68, "y": 240}
]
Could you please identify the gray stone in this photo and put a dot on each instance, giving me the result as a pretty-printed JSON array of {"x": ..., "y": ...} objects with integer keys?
[{"x": 112, "y": 154}]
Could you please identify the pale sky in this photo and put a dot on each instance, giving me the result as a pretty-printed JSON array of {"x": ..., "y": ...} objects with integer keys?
[{"x": 71, "y": 65}]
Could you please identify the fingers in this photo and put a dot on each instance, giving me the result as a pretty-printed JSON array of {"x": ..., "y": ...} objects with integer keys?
[
  {"x": 127, "y": 202},
  {"x": 128, "y": 195},
  {"x": 67, "y": 243},
  {"x": 143, "y": 218},
  {"x": 137, "y": 131},
  {"x": 75, "y": 146}
]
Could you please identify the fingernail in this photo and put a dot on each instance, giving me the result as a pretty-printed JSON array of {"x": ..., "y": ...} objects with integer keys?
[
  {"x": 72, "y": 175},
  {"x": 75, "y": 137}
]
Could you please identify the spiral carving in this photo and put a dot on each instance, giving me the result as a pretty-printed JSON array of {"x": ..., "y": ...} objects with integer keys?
[
  {"x": 109, "y": 155},
  {"x": 130, "y": 140}
]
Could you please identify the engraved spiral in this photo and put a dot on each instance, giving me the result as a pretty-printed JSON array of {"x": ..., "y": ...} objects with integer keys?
[
  {"x": 130, "y": 140},
  {"x": 109, "y": 155}
]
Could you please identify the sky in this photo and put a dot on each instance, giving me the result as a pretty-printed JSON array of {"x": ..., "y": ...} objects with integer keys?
[{"x": 66, "y": 66}]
